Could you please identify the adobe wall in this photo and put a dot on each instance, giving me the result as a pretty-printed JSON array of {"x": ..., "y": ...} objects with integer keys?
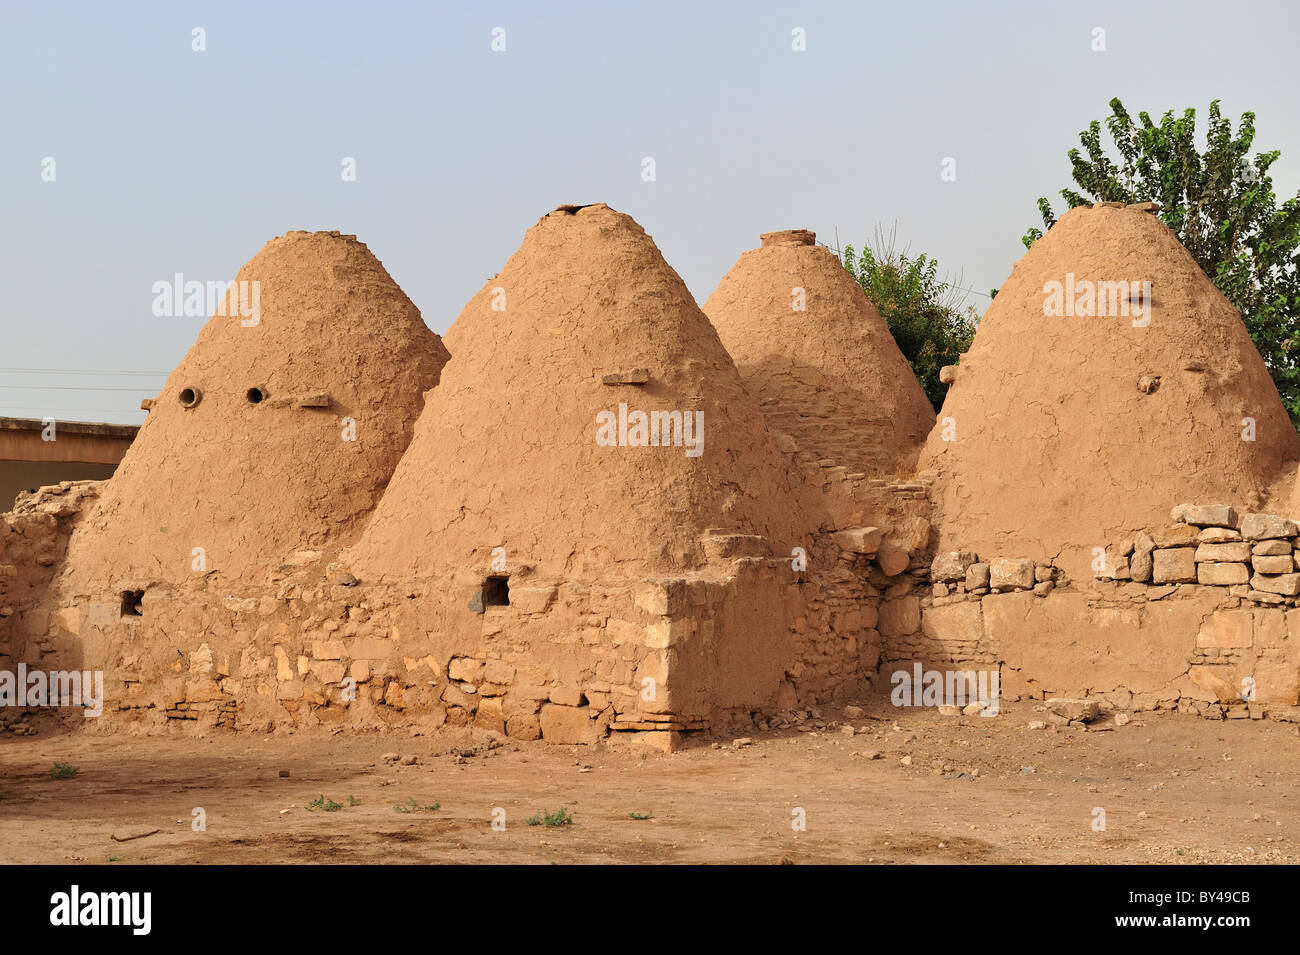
[
  {"x": 33, "y": 539},
  {"x": 74, "y": 442},
  {"x": 25, "y": 477},
  {"x": 1170, "y": 622},
  {"x": 569, "y": 661},
  {"x": 647, "y": 660},
  {"x": 565, "y": 660}
]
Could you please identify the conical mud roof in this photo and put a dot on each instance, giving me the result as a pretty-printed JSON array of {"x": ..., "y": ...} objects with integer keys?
[
  {"x": 1074, "y": 420},
  {"x": 818, "y": 356},
  {"x": 515, "y": 448},
  {"x": 279, "y": 429}
]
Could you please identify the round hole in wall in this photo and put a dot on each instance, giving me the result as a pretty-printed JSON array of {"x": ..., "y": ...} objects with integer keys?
[
  {"x": 255, "y": 395},
  {"x": 189, "y": 397}
]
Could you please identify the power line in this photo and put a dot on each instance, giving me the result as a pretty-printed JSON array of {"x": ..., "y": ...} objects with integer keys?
[
  {"x": 72, "y": 388},
  {"x": 973, "y": 291},
  {"x": 81, "y": 371},
  {"x": 97, "y": 411}
]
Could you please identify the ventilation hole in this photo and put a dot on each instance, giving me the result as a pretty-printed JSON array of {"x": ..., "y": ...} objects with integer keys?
[
  {"x": 571, "y": 210},
  {"x": 255, "y": 395},
  {"x": 189, "y": 397},
  {"x": 496, "y": 592},
  {"x": 131, "y": 603}
]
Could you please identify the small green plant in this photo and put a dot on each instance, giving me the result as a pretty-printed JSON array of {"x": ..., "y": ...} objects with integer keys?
[
  {"x": 63, "y": 771},
  {"x": 114, "y": 858},
  {"x": 640, "y": 815},
  {"x": 927, "y": 315},
  {"x": 353, "y": 801},
  {"x": 325, "y": 804},
  {"x": 412, "y": 806},
  {"x": 560, "y": 817}
]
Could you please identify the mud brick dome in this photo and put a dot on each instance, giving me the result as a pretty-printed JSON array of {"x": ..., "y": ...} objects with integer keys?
[
  {"x": 585, "y": 319},
  {"x": 827, "y": 373},
  {"x": 246, "y": 452},
  {"x": 1061, "y": 429}
]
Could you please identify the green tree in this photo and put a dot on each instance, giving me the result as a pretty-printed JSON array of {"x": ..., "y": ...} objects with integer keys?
[
  {"x": 926, "y": 315},
  {"x": 1222, "y": 207}
]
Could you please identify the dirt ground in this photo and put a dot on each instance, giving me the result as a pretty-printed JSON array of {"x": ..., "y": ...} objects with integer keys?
[{"x": 1175, "y": 789}]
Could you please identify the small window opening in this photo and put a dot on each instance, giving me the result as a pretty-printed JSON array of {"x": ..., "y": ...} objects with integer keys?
[
  {"x": 496, "y": 592},
  {"x": 131, "y": 603},
  {"x": 189, "y": 397},
  {"x": 255, "y": 395}
]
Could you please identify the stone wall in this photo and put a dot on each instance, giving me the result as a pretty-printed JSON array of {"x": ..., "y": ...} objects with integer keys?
[
  {"x": 1254, "y": 556},
  {"x": 646, "y": 661},
  {"x": 567, "y": 661},
  {"x": 33, "y": 538},
  {"x": 939, "y": 621},
  {"x": 1155, "y": 630}
]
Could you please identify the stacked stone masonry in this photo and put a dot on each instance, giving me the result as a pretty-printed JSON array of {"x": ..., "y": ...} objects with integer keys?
[
  {"x": 642, "y": 661},
  {"x": 1253, "y": 555}
]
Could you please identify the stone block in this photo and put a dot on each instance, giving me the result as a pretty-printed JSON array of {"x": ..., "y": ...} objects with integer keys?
[
  {"x": 892, "y": 558},
  {"x": 1271, "y": 548},
  {"x": 327, "y": 649},
  {"x": 465, "y": 669},
  {"x": 1288, "y": 585},
  {"x": 900, "y": 616},
  {"x": 531, "y": 599},
  {"x": 498, "y": 671},
  {"x": 1267, "y": 526},
  {"x": 372, "y": 648},
  {"x": 328, "y": 671},
  {"x": 1273, "y": 565},
  {"x": 961, "y": 622},
  {"x": 1215, "y": 682},
  {"x": 489, "y": 715},
  {"x": 1175, "y": 535},
  {"x": 453, "y": 695},
  {"x": 1277, "y": 681},
  {"x": 859, "y": 540},
  {"x": 1238, "y": 552},
  {"x": 1011, "y": 573},
  {"x": 1222, "y": 575},
  {"x": 567, "y": 696},
  {"x": 529, "y": 692},
  {"x": 1085, "y": 711},
  {"x": 1114, "y": 566},
  {"x": 1139, "y": 565},
  {"x": 660, "y": 596},
  {"x": 667, "y": 633},
  {"x": 952, "y": 566},
  {"x": 1173, "y": 565},
  {"x": 977, "y": 576},
  {"x": 1205, "y": 515},
  {"x": 568, "y": 725}
]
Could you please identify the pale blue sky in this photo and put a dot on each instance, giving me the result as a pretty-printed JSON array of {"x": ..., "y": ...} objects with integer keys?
[{"x": 171, "y": 161}]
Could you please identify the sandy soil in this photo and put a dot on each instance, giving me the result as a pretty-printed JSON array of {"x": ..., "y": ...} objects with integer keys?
[{"x": 1175, "y": 789}]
